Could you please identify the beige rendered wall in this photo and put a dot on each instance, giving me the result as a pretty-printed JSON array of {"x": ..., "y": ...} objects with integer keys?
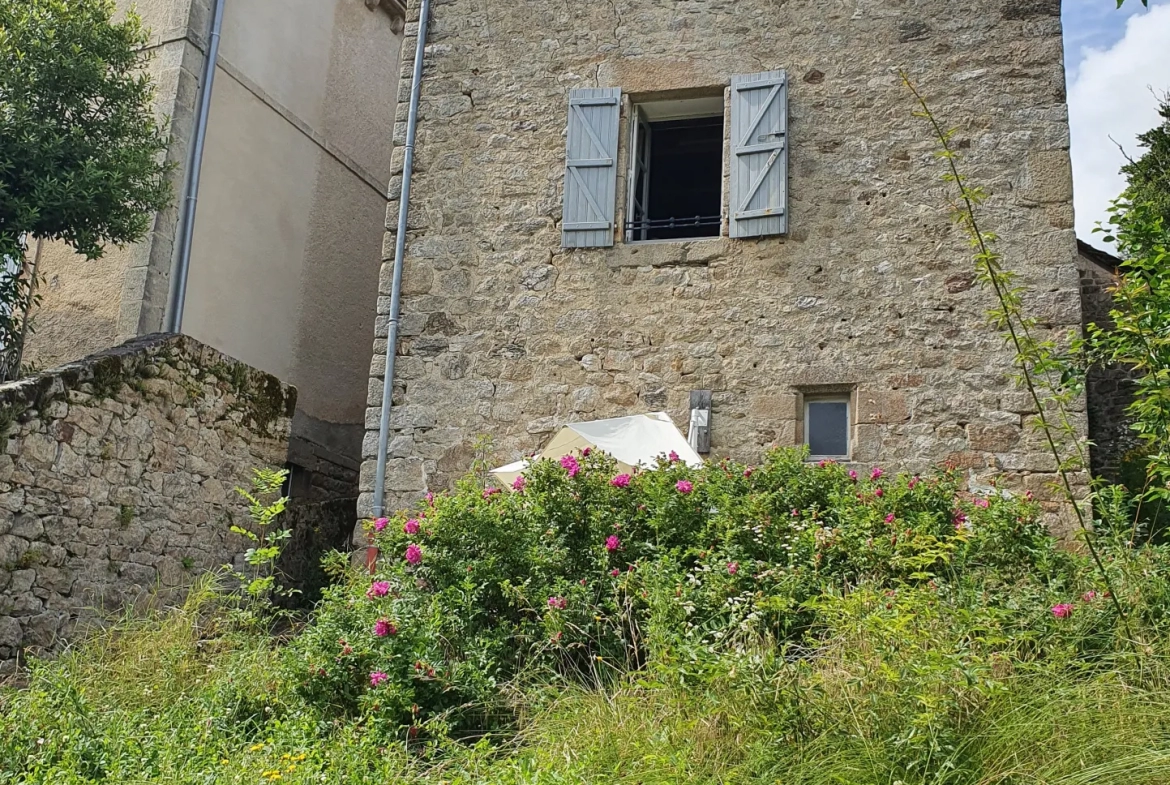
[{"x": 288, "y": 234}]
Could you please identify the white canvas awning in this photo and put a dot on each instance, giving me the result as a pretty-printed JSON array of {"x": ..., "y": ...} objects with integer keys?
[{"x": 632, "y": 441}]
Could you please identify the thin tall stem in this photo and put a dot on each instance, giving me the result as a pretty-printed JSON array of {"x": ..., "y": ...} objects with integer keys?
[{"x": 1009, "y": 310}]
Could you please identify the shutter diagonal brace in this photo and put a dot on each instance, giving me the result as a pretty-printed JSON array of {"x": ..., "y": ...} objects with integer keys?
[{"x": 743, "y": 212}]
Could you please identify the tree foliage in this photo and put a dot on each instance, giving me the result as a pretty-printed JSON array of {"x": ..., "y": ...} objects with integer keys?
[
  {"x": 1149, "y": 176},
  {"x": 80, "y": 148}
]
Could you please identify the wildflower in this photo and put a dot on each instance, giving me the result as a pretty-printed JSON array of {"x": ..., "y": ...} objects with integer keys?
[
  {"x": 380, "y": 524},
  {"x": 748, "y": 472},
  {"x": 673, "y": 456},
  {"x": 612, "y": 543},
  {"x": 621, "y": 481},
  {"x": 913, "y": 481},
  {"x": 377, "y": 677},
  {"x": 490, "y": 492},
  {"x": 614, "y": 573},
  {"x": 519, "y": 483},
  {"x": 256, "y": 747},
  {"x": 378, "y": 589},
  {"x": 983, "y": 503},
  {"x": 1063, "y": 610},
  {"x": 890, "y": 518},
  {"x": 732, "y": 568},
  {"x": 684, "y": 486},
  {"x": 430, "y": 497},
  {"x": 878, "y": 492},
  {"x": 822, "y": 463},
  {"x": 960, "y": 519},
  {"x": 1029, "y": 495},
  {"x": 382, "y": 628},
  {"x": 413, "y": 554},
  {"x": 1089, "y": 596},
  {"x": 569, "y": 464},
  {"x": 411, "y": 526},
  {"x": 586, "y": 451},
  {"x": 876, "y": 473},
  {"x": 582, "y": 581},
  {"x": 560, "y": 603},
  {"x": 853, "y": 475}
]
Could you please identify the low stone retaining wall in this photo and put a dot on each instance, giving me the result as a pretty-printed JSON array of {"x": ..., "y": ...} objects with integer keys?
[{"x": 117, "y": 478}]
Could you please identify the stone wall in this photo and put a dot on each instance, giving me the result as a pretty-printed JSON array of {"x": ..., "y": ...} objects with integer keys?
[
  {"x": 117, "y": 478},
  {"x": 1109, "y": 388},
  {"x": 506, "y": 333}
]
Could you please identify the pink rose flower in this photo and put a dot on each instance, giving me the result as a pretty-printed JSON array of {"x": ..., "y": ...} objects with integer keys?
[
  {"x": 876, "y": 473},
  {"x": 411, "y": 526},
  {"x": 732, "y": 568},
  {"x": 684, "y": 486},
  {"x": 413, "y": 554},
  {"x": 383, "y": 627},
  {"x": 560, "y": 603},
  {"x": 878, "y": 492},
  {"x": 890, "y": 518},
  {"x": 1063, "y": 610},
  {"x": 982, "y": 503},
  {"x": 586, "y": 451},
  {"x": 430, "y": 497},
  {"x": 569, "y": 464},
  {"x": 378, "y": 589},
  {"x": 913, "y": 481},
  {"x": 1089, "y": 596},
  {"x": 377, "y": 677},
  {"x": 614, "y": 573},
  {"x": 380, "y": 524},
  {"x": 490, "y": 492},
  {"x": 673, "y": 457},
  {"x": 853, "y": 475},
  {"x": 621, "y": 481},
  {"x": 612, "y": 543},
  {"x": 748, "y": 472},
  {"x": 519, "y": 483}
]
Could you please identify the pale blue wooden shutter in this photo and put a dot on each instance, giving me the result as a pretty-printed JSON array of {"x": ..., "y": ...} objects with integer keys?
[
  {"x": 759, "y": 154},
  {"x": 591, "y": 168}
]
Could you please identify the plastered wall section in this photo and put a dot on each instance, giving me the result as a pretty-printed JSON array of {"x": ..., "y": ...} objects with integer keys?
[
  {"x": 507, "y": 334},
  {"x": 287, "y": 243},
  {"x": 117, "y": 478}
]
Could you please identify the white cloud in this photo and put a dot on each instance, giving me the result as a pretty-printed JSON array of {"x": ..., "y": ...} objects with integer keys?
[{"x": 1110, "y": 98}]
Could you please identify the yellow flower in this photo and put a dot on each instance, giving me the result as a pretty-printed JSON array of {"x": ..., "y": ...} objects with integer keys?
[
  {"x": 300, "y": 757},
  {"x": 256, "y": 747},
  {"x": 285, "y": 756},
  {"x": 225, "y": 761},
  {"x": 292, "y": 767}
]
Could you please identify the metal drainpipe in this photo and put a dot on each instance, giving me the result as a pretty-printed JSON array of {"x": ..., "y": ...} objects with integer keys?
[
  {"x": 178, "y": 291},
  {"x": 399, "y": 251}
]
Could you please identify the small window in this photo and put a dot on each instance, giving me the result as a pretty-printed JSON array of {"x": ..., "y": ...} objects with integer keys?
[
  {"x": 826, "y": 427},
  {"x": 676, "y": 170}
]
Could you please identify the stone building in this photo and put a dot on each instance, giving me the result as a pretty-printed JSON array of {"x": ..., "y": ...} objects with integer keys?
[
  {"x": 287, "y": 232},
  {"x": 617, "y": 204}
]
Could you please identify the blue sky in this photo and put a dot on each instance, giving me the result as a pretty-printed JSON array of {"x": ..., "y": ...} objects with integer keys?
[{"x": 1115, "y": 62}]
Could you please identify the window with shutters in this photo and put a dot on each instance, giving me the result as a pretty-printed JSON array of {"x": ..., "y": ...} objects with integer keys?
[
  {"x": 676, "y": 170},
  {"x": 677, "y": 150}
]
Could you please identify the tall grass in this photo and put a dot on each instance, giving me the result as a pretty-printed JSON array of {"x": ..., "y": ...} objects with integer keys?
[{"x": 186, "y": 697}]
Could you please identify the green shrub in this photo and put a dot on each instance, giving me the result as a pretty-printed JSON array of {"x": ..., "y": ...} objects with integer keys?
[{"x": 581, "y": 575}]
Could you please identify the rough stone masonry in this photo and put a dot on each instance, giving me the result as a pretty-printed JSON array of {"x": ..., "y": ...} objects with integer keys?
[
  {"x": 870, "y": 293},
  {"x": 117, "y": 478}
]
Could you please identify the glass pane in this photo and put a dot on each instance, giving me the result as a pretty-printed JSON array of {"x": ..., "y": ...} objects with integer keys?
[{"x": 828, "y": 428}]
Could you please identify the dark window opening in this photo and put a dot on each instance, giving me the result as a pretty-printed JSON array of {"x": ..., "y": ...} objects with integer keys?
[
  {"x": 677, "y": 179},
  {"x": 826, "y": 429}
]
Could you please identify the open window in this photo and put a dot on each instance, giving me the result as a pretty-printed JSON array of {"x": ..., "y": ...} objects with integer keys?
[
  {"x": 826, "y": 426},
  {"x": 676, "y": 170}
]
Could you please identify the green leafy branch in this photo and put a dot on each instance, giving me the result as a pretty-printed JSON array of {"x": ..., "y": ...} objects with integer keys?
[{"x": 267, "y": 537}]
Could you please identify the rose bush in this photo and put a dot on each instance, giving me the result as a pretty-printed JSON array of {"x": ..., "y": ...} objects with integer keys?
[{"x": 584, "y": 573}]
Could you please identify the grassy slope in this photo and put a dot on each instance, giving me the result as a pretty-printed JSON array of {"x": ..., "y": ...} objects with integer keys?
[{"x": 177, "y": 700}]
